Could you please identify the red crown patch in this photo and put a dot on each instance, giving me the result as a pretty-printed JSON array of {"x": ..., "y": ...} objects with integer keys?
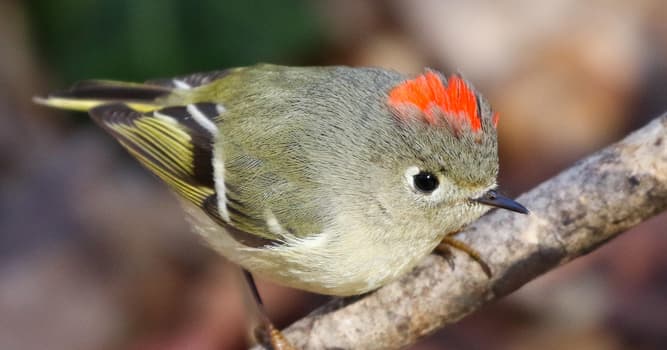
[{"x": 456, "y": 102}]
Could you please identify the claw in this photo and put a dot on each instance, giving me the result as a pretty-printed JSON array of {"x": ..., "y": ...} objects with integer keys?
[{"x": 450, "y": 242}]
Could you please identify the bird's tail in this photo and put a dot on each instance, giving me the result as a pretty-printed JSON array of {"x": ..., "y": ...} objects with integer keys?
[{"x": 87, "y": 95}]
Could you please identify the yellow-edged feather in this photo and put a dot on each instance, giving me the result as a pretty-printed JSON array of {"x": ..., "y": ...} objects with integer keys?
[
  {"x": 162, "y": 143},
  {"x": 80, "y": 105}
]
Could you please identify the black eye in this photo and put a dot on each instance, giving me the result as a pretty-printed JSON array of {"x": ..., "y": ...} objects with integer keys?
[{"x": 426, "y": 182}]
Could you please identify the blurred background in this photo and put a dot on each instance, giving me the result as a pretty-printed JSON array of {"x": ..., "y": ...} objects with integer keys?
[{"x": 95, "y": 253}]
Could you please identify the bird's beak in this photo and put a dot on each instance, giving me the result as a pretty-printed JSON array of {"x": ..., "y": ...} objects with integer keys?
[{"x": 497, "y": 200}]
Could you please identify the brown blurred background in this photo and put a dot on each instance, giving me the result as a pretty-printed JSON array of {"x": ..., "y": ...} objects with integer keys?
[{"x": 95, "y": 253}]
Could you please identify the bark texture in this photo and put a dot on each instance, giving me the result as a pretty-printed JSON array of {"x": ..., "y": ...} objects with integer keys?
[{"x": 572, "y": 214}]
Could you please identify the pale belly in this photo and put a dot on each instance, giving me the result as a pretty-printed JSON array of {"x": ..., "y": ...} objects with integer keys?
[
  {"x": 360, "y": 268},
  {"x": 324, "y": 263}
]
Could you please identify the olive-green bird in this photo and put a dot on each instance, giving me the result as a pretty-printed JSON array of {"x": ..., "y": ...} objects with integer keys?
[{"x": 335, "y": 180}]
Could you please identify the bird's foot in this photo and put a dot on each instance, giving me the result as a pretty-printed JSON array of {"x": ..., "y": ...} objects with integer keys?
[{"x": 449, "y": 242}]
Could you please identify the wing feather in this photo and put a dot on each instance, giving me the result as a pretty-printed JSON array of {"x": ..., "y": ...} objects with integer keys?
[
  {"x": 170, "y": 126},
  {"x": 163, "y": 145}
]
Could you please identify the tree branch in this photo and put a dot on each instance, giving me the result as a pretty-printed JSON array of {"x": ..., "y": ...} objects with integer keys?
[{"x": 571, "y": 215}]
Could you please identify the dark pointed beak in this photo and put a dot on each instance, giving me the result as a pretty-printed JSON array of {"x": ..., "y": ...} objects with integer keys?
[{"x": 497, "y": 200}]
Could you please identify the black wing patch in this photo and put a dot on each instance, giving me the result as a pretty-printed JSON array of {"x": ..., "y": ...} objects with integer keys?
[{"x": 202, "y": 134}]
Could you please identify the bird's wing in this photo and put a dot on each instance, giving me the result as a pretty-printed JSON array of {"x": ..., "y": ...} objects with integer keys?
[{"x": 171, "y": 130}]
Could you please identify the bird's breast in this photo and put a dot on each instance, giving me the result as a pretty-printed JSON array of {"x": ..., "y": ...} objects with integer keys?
[
  {"x": 347, "y": 258},
  {"x": 342, "y": 260}
]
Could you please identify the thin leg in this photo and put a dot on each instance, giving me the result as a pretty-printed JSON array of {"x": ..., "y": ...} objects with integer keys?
[
  {"x": 252, "y": 286},
  {"x": 450, "y": 242},
  {"x": 264, "y": 331}
]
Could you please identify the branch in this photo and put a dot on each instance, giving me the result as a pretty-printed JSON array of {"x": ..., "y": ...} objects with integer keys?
[{"x": 571, "y": 215}]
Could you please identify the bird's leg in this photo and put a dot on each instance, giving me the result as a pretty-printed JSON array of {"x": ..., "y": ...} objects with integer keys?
[
  {"x": 448, "y": 242},
  {"x": 264, "y": 331}
]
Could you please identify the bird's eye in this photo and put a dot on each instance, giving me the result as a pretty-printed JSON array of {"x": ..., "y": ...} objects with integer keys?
[{"x": 425, "y": 181}]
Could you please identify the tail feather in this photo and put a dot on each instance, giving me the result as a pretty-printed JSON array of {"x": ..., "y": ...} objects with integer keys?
[
  {"x": 111, "y": 90},
  {"x": 87, "y": 95}
]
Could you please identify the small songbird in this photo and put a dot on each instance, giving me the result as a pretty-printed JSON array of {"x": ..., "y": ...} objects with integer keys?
[{"x": 334, "y": 180}]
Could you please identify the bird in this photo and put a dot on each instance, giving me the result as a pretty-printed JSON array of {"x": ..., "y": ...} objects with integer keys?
[{"x": 335, "y": 180}]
